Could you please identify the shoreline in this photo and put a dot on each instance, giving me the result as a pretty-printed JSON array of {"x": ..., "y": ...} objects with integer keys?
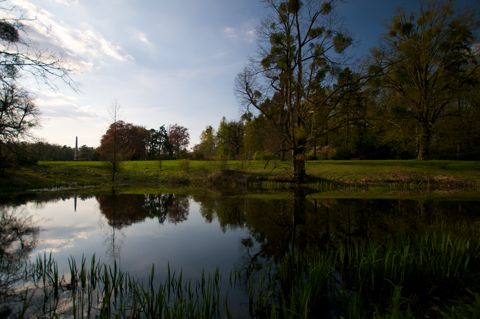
[{"x": 355, "y": 176}]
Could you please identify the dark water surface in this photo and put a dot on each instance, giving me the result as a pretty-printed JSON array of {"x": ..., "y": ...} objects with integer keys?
[{"x": 195, "y": 233}]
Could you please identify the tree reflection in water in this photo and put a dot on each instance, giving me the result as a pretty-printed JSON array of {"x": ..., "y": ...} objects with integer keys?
[
  {"x": 279, "y": 226},
  {"x": 18, "y": 237},
  {"x": 273, "y": 230},
  {"x": 125, "y": 210}
]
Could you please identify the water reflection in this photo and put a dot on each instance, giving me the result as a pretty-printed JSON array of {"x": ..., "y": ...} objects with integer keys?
[
  {"x": 282, "y": 224},
  {"x": 18, "y": 237},
  {"x": 272, "y": 227},
  {"x": 125, "y": 210},
  {"x": 203, "y": 232}
]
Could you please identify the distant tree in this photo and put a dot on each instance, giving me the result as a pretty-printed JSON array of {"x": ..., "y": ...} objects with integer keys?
[
  {"x": 179, "y": 139},
  {"x": 229, "y": 139},
  {"x": 42, "y": 151},
  {"x": 158, "y": 144},
  {"x": 127, "y": 139},
  {"x": 262, "y": 139},
  {"x": 87, "y": 153},
  {"x": 166, "y": 147},
  {"x": 207, "y": 147},
  {"x": 298, "y": 48},
  {"x": 152, "y": 144},
  {"x": 425, "y": 62},
  {"x": 347, "y": 114}
]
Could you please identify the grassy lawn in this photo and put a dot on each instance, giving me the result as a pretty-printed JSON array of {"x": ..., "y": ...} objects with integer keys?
[
  {"x": 394, "y": 170},
  {"x": 232, "y": 174}
]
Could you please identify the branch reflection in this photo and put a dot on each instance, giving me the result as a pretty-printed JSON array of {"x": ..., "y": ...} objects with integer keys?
[{"x": 18, "y": 237}]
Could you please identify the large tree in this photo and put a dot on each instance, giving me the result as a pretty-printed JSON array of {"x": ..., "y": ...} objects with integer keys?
[
  {"x": 158, "y": 145},
  {"x": 299, "y": 46},
  {"x": 124, "y": 141},
  {"x": 230, "y": 139},
  {"x": 207, "y": 147},
  {"x": 425, "y": 62},
  {"x": 179, "y": 139}
]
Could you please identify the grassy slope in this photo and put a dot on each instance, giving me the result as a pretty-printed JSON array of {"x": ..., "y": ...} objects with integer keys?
[{"x": 447, "y": 174}]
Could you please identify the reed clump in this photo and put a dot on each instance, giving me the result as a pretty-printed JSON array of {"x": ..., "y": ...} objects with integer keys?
[
  {"x": 433, "y": 274},
  {"x": 96, "y": 290}
]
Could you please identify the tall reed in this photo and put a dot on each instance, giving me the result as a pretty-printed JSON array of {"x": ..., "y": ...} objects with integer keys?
[{"x": 100, "y": 290}]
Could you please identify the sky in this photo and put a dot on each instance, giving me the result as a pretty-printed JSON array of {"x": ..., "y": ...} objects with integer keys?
[{"x": 163, "y": 62}]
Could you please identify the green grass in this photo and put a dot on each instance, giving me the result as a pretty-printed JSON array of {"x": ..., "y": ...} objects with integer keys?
[
  {"x": 395, "y": 170},
  {"x": 323, "y": 175}
]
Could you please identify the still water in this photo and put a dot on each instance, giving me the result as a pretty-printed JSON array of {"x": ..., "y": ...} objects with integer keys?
[
  {"x": 137, "y": 231},
  {"x": 196, "y": 233}
]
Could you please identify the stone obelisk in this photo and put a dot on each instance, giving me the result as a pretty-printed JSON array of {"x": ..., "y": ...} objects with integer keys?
[{"x": 75, "y": 154}]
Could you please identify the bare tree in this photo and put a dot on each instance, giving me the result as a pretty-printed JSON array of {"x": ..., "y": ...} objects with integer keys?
[
  {"x": 17, "y": 112},
  {"x": 17, "y": 56},
  {"x": 114, "y": 110}
]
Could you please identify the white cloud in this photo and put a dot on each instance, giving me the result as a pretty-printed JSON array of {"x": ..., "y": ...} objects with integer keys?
[
  {"x": 246, "y": 32},
  {"x": 58, "y": 105},
  {"x": 67, "y": 3},
  {"x": 142, "y": 37},
  {"x": 82, "y": 45},
  {"x": 250, "y": 35},
  {"x": 230, "y": 32}
]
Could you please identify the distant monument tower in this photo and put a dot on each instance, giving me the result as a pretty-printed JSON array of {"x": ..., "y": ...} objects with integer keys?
[{"x": 75, "y": 154}]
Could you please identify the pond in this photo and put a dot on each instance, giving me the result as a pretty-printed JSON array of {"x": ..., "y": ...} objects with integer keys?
[{"x": 240, "y": 234}]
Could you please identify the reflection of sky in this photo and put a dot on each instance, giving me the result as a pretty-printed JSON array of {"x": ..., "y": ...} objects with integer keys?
[
  {"x": 66, "y": 232},
  {"x": 193, "y": 245}
]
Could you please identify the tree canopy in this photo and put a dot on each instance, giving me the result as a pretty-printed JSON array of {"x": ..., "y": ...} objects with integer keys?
[
  {"x": 179, "y": 139},
  {"x": 426, "y": 62},
  {"x": 124, "y": 139}
]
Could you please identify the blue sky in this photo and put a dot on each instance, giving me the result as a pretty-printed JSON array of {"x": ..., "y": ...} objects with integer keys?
[{"x": 164, "y": 62}]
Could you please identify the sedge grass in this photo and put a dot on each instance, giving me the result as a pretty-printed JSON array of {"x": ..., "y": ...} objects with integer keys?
[{"x": 96, "y": 290}]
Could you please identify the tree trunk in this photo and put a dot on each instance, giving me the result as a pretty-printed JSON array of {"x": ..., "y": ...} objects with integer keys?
[
  {"x": 424, "y": 141},
  {"x": 299, "y": 164}
]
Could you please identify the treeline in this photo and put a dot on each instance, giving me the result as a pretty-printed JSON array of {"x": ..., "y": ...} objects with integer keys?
[
  {"x": 31, "y": 152},
  {"x": 362, "y": 126},
  {"x": 126, "y": 141},
  {"x": 416, "y": 95},
  {"x": 122, "y": 141}
]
